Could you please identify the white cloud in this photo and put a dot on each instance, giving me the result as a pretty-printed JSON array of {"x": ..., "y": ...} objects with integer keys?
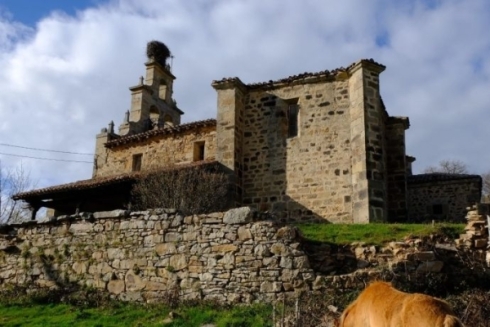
[{"x": 67, "y": 78}]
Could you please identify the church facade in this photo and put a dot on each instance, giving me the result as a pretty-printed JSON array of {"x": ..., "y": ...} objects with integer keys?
[{"x": 315, "y": 146}]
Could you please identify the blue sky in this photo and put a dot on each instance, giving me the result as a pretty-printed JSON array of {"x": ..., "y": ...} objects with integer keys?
[
  {"x": 29, "y": 12},
  {"x": 66, "y": 65}
]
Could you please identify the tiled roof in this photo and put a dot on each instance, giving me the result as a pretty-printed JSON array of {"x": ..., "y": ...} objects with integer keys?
[
  {"x": 102, "y": 181},
  {"x": 290, "y": 79},
  {"x": 167, "y": 130},
  {"x": 78, "y": 185},
  {"x": 439, "y": 177}
]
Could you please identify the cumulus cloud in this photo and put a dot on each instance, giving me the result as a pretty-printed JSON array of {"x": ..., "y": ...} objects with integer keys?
[{"x": 67, "y": 77}]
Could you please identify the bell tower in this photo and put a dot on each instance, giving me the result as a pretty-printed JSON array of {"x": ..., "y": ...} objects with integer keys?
[{"x": 152, "y": 104}]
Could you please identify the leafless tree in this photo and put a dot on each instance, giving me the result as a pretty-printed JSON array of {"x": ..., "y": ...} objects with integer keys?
[
  {"x": 191, "y": 191},
  {"x": 486, "y": 187},
  {"x": 486, "y": 182},
  {"x": 448, "y": 167},
  {"x": 13, "y": 181}
]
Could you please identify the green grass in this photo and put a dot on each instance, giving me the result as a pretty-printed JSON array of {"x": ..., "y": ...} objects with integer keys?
[
  {"x": 376, "y": 234},
  {"x": 132, "y": 315},
  {"x": 15, "y": 311}
]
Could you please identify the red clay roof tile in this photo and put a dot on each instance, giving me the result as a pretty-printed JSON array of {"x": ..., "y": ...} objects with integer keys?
[{"x": 168, "y": 130}]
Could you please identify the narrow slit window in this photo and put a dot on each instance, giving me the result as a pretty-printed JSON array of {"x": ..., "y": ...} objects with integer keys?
[
  {"x": 293, "y": 120},
  {"x": 199, "y": 151},
  {"x": 137, "y": 158}
]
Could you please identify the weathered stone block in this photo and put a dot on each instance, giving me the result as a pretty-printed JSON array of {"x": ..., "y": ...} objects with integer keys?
[
  {"x": 480, "y": 243},
  {"x": 177, "y": 221},
  {"x": 80, "y": 268},
  {"x": 289, "y": 274},
  {"x": 241, "y": 215},
  {"x": 190, "y": 283},
  {"x": 244, "y": 233},
  {"x": 211, "y": 220},
  {"x": 301, "y": 262},
  {"x": 110, "y": 214},
  {"x": 224, "y": 248},
  {"x": 113, "y": 253},
  {"x": 286, "y": 263},
  {"x": 173, "y": 237},
  {"x": 280, "y": 249},
  {"x": 155, "y": 286},
  {"x": 131, "y": 296},
  {"x": 421, "y": 256},
  {"x": 178, "y": 261},
  {"x": 266, "y": 287},
  {"x": 430, "y": 266},
  {"x": 165, "y": 248},
  {"x": 190, "y": 236},
  {"x": 133, "y": 282},
  {"x": 116, "y": 286},
  {"x": 288, "y": 233},
  {"x": 81, "y": 228},
  {"x": 262, "y": 250},
  {"x": 206, "y": 277}
]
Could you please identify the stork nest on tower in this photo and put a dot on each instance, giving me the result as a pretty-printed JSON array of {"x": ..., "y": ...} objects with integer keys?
[{"x": 158, "y": 51}]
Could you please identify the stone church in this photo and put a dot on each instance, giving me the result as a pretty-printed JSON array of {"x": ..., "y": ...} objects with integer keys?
[{"x": 314, "y": 146}]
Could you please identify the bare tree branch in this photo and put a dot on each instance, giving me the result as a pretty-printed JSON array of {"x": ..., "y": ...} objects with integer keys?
[
  {"x": 448, "y": 167},
  {"x": 486, "y": 182},
  {"x": 190, "y": 191},
  {"x": 12, "y": 181}
]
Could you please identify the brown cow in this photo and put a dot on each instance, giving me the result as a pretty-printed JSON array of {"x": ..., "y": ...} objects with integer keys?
[{"x": 380, "y": 305}]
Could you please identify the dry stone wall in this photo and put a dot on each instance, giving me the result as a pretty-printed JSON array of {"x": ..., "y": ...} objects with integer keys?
[
  {"x": 141, "y": 256},
  {"x": 237, "y": 256}
]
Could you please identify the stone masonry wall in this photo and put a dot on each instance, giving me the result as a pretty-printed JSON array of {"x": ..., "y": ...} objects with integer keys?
[
  {"x": 453, "y": 196},
  {"x": 140, "y": 256},
  {"x": 229, "y": 130},
  {"x": 308, "y": 176},
  {"x": 397, "y": 171},
  {"x": 375, "y": 149},
  {"x": 158, "y": 151},
  {"x": 229, "y": 257}
]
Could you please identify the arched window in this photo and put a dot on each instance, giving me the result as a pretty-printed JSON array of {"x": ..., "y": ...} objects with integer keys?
[
  {"x": 154, "y": 116},
  {"x": 167, "y": 120},
  {"x": 162, "y": 90}
]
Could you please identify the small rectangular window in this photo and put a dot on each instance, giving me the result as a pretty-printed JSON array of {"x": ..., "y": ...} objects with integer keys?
[
  {"x": 199, "y": 151},
  {"x": 137, "y": 158},
  {"x": 293, "y": 113},
  {"x": 437, "y": 209}
]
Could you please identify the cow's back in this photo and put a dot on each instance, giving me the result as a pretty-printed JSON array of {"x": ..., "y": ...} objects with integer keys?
[
  {"x": 423, "y": 310},
  {"x": 380, "y": 305}
]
